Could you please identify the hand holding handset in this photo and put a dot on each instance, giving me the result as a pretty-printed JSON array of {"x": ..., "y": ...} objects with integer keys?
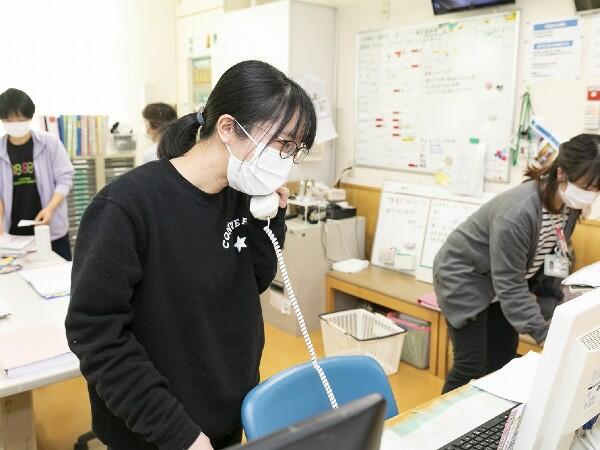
[{"x": 265, "y": 207}]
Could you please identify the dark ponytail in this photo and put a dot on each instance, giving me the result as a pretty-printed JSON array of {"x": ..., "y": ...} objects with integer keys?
[
  {"x": 254, "y": 93},
  {"x": 179, "y": 137},
  {"x": 579, "y": 158}
]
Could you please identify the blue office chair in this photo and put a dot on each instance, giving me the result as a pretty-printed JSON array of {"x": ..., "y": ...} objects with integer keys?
[{"x": 296, "y": 394}]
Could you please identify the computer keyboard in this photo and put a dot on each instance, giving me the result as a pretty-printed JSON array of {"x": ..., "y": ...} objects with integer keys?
[{"x": 484, "y": 437}]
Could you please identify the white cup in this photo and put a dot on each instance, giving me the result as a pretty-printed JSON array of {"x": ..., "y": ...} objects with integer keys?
[{"x": 42, "y": 241}]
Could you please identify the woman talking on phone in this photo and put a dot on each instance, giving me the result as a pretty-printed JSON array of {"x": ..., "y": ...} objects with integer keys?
[{"x": 165, "y": 314}]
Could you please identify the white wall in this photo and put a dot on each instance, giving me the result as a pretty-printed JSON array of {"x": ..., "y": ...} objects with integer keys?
[
  {"x": 279, "y": 33},
  {"x": 89, "y": 56},
  {"x": 560, "y": 103}
]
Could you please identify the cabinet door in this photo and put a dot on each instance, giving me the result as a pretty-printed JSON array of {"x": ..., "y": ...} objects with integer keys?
[{"x": 260, "y": 32}]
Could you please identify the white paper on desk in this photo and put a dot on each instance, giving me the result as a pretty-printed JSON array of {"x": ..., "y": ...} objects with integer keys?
[
  {"x": 514, "y": 381},
  {"x": 586, "y": 276},
  {"x": 29, "y": 223},
  {"x": 50, "y": 282},
  {"x": 426, "y": 429}
]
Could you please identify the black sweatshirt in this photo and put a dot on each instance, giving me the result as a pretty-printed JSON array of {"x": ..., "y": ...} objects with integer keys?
[{"x": 165, "y": 314}]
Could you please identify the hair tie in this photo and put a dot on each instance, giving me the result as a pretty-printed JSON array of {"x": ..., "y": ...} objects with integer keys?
[{"x": 199, "y": 117}]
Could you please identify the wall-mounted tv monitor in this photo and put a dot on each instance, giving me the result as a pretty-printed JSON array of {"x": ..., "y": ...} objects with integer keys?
[
  {"x": 448, "y": 6},
  {"x": 587, "y": 5}
]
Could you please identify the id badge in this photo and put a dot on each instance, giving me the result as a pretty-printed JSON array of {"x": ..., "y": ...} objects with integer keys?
[{"x": 556, "y": 266}]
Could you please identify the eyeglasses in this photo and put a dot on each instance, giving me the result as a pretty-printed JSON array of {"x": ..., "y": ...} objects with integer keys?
[{"x": 289, "y": 149}]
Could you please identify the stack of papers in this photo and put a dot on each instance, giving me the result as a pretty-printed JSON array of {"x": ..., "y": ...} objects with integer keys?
[
  {"x": 15, "y": 245},
  {"x": 514, "y": 381},
  {"x": 50, "y": 282},
  {"x": 33, "y": 350},
  {"x": 588, "y": 276}
]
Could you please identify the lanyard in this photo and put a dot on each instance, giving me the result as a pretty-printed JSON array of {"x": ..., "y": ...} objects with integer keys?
[{"x": 561, "y": 248}]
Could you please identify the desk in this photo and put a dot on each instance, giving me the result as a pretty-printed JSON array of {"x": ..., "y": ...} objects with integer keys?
[
  {"x": 17, "y": 427},
  {"x": 442, "y": 420},
  {"x": 397, "y": 291}
]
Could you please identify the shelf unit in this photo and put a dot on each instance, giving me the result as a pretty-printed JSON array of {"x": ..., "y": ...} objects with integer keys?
[{"x": 91, "y": 174}]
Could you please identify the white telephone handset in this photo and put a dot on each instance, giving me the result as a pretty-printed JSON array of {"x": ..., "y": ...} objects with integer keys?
[{"x": 265, "y": 207}]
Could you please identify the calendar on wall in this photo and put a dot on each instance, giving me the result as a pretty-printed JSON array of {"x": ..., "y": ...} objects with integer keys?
[{"x": 414, "y": 222}]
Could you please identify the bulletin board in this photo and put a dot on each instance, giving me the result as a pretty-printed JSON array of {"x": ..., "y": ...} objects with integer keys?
[
  {"x": 414, "y": 221},
  {"x": 423, "y": 91}
]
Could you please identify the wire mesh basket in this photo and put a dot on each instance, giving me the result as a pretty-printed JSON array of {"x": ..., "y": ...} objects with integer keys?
[{"x": 360, "y": 332}]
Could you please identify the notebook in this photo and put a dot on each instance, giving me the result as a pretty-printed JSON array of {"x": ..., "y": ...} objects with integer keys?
[
  {"x": 50, "y": 282},
  {"x": 429, "y": 300},
  {"x": 32, "y": 350}
]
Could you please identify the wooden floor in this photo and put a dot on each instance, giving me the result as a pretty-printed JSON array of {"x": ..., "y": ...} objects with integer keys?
[{"x": 62, "y": 410}]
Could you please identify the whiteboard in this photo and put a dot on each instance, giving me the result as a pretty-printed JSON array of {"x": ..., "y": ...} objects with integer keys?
[
  {"x": 422, "y": 91},
  {"x": 415, "y": 220},
  {"x": 400, "y": 228},
  {"x": 444, "y": 217}
]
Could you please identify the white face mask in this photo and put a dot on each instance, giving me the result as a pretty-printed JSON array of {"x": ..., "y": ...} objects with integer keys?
[
  {"x": 262, "y": 174},
  {"x": 17, "y": 129},
  {"x": 576, "y": 197}
]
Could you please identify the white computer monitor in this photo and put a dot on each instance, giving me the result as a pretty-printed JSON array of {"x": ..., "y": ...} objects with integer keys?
[{"x": 566, "y": 391}]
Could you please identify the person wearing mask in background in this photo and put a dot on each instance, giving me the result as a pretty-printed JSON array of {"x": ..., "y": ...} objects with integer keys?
[
  {"x": 491, "y": 269},
  {"x": 156, "y": 117},
  {"x": 171, "y": 335},
  {"x": 35, "y": 174}
]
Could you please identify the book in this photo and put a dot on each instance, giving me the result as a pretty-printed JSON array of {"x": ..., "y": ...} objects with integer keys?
[
  {"x": 61, "y": 129},
  {"x": 81, "y": 135},
  {"x": 32, "y": 350},
  {"x": 52, "y": 126},
  {"x": 78, "y": 135},
  {"x": 84, "y": 140}
]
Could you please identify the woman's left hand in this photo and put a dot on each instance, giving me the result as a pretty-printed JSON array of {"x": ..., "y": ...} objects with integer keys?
[
  {"x": 45, "y": 215},
  {"x": 284, "y": 194}
]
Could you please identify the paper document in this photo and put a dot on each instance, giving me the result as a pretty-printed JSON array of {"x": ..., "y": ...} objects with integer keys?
[
  {"x": 35, "y": 349},
  {"x": 435, "y": 426},
  {"x": 10, "y": 242},
  {"x": 586, "y": 276},
  {"x": 50, "y": 282},
  {"x": 514, "y": 381},
  {"x": 28, "y": 223},
  {"x": 468, "y": 170}
]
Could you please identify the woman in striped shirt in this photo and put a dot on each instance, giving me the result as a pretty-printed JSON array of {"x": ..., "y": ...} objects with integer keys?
[{"x": 489, "y": 276}]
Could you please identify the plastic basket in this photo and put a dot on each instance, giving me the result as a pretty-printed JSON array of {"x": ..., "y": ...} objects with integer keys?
[
  {"x": 360, "y": 332},
  {"x": 418, "y": 336}
]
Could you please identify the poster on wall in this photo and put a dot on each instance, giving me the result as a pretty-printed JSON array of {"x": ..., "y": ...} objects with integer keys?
[
  {"x": 554, "y": 50},
  {"x": 594, "y": 55}
]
